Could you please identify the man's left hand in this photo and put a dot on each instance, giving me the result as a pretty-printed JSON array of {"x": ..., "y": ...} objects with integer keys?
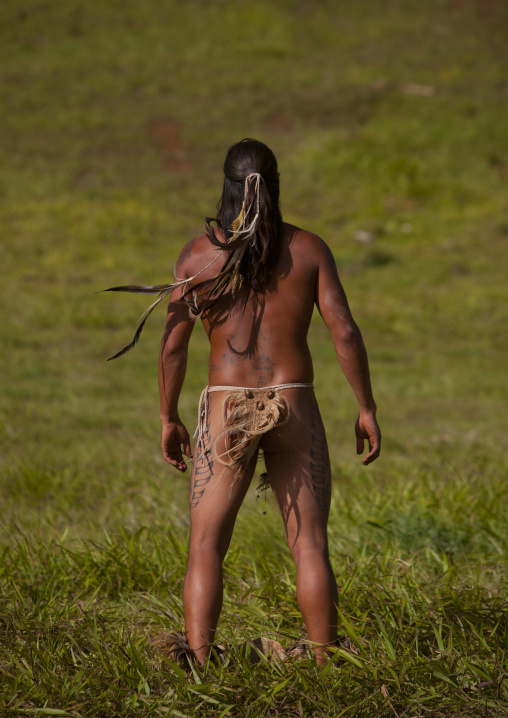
[{"x": 368, "y": 429}]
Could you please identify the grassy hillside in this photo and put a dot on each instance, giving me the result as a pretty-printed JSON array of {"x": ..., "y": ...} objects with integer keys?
[{"x": 388, "y": 121}]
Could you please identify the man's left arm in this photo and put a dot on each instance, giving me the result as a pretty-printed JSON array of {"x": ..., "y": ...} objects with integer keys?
[
  {"x": 172, "y": 368},
  {"x": 347, "y": 339}
]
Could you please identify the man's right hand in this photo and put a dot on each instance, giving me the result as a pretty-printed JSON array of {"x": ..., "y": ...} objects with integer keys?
[
  {"x": 174, "y": 436},
  {"x": 368, "y": 428}
]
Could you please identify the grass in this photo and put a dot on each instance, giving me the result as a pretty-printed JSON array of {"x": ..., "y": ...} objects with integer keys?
[{"x": 387, "y": 120}]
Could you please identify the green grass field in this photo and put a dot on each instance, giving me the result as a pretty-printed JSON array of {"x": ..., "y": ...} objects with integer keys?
[{"x": 389, "y": 123}]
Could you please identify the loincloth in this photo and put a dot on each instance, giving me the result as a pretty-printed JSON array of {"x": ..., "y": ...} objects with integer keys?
[{"x": 247, "y": 413}]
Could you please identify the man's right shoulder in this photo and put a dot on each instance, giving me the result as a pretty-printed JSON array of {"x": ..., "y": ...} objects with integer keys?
[{"x": 190, "y": 252}]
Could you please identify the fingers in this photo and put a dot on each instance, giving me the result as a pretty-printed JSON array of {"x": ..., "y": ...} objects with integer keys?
[
  {"x": 174, "y": 437},
  {"x": 375, "y": 449},
  {"x": 359, "y": 437},
  {"x": 370, "y": 431},
  {"x": 175, "y": 458},
  {"x": 372, "y": 455}
]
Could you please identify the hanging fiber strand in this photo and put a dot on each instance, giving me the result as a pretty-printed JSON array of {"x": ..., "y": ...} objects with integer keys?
[{"x": 243, "y": 234}]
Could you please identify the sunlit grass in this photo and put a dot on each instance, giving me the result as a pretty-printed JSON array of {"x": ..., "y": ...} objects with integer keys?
[{"x": 420, "y": 596}]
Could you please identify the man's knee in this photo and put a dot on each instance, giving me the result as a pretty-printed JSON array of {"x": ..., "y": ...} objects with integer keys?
[
  {"x": 205, "y": 544},
  {"x": 309, "y": 550}
]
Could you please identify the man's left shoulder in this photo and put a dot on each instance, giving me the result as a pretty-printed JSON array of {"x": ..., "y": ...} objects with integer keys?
[{"x": 309, "y": 242}]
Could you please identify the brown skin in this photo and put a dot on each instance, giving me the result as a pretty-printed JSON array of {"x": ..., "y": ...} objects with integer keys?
[{"x": 263, "y": 342}]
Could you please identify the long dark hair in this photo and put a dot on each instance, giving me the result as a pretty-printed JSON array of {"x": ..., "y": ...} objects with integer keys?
[
  {"x": 251, "y": 256},
  {"x": 262, "y": 252}
]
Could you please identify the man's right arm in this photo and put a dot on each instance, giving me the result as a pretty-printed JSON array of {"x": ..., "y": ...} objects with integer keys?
[
  {"x": 172, "y": 368},
  {"x": 333, "y": 306}
]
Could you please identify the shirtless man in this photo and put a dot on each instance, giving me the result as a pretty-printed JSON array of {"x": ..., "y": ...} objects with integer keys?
[{"x": 268, "y": 275}]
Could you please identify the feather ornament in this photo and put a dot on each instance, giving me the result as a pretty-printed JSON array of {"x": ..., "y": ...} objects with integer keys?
[
  {"x": 163, "y": 290},
  {"x": 237, "y": 223},
  {"x": 228, "y": 278}
]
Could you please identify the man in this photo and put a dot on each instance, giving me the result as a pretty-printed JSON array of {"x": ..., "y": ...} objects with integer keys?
[{"x": 254, "y": 281}]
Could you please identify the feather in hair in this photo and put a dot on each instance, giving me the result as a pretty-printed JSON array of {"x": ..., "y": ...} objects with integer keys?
[
  {"x": 163, "y": 290},
  {"x": 229, "y": 277}
]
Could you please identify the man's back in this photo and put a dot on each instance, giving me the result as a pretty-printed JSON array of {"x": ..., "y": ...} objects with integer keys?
[{"x": 262, "y": 341}]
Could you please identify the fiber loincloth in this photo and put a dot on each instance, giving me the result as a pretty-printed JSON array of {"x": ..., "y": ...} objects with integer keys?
[{"x": 247, "y": 413}]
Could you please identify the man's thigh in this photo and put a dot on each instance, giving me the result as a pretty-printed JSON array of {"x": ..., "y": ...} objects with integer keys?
[
  {"x": 298, "y": 467},
  {"x": 215, "y": 494}
]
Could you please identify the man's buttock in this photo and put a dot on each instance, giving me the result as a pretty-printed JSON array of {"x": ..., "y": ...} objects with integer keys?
[{"x": 249, "y": 415}]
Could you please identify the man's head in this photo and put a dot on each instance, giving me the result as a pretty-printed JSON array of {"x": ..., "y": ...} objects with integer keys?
[
  {"x": 261, "y": 198},
  {"x": 251, "y": 223},
  {"x": 246, "y": 157}
]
